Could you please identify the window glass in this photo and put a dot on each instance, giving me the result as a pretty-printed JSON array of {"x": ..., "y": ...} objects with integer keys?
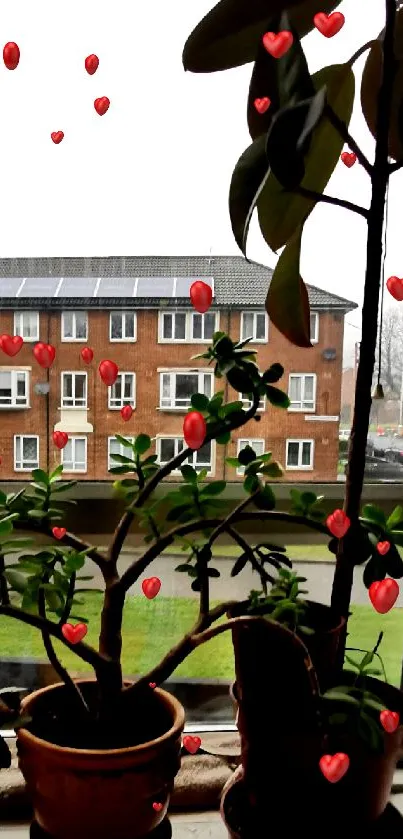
[
  {"x": 74, "y": 455},
  {"x": 122, "y": 391},
  {"x": 26, "y": 324},
  {"x": 26, "y": 452}
]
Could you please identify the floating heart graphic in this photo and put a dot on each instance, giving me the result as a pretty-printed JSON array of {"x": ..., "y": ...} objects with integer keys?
[
  {"x": 151, "y": 587},
  {"x": 338, "y": 523},
  {"x": 278, "y": 45},
  {"x": 108, "y": 371},
  {"x": 60, "y": 439},
  {"x": 262, "y": 105},
  {"x": 91, "y": 64},
  {"x": 101, "y": 105},
  {"x": 44, "y": 354},
  {"x": 329, "y": 25},
  {"x": 383, "y": 595},
  {"x": 74, "y": 634},
  {"x": 57, "y": 137},
  {"x": 383, "y": 548},
  {"x": 126, "y": 413},
  {"x": 191, "y": 744},
  {"x": 157, "y": 806},
  {"x": 152, "y": 685},
  {"x": 389, "y": 720},
  {"x": 11, "y": 55},
  {"x": 194, "y": 430},
  {"x": 59, "y": 532},
  {"x": 87, "y": 354},
  {"x": 348, "y": 158},
  {"x": 395, "y": 287},
  {"x": 333, "y": 767},
  {"x": 11, "y": 345},
  {"x": 201, "y": 296}
]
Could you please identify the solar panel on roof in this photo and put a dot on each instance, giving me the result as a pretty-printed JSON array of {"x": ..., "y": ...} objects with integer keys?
[
  {"x": 183, "y": 284},
  {"x": 9, "y": 286},
  {"x": 40, "y": 287},
  {"x": 116, "y": 287},
  {"x": 77, "y": 287},
  {"x": 155, "y": 287}
]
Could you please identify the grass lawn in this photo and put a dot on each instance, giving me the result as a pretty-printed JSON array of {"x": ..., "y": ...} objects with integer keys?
[
  {"x": 151, "y": 627},
  {"x": 297, "y": 553}
]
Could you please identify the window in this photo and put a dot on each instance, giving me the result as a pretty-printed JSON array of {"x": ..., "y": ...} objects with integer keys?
[
  {"x": 247, "y": 402},
  {"x": 256, "y": 445},
  {"x": 314, "y": 327},
  {"x": 169, "y": 447},
  {"x": 302, "y": 391},
  {"x": 74, "y": 455},
  {"x": 14, "y": 389},
  {"x": 74, "y": 390},
  {"x": 26, "y": 452},
  {"x": 114, "y": 447},
  {"x": 299, "y": 454},
  {"x": 254, "y": 325},
  {"x": 74, "y": 326},
  {"x": 176, "y": 389},
  {"x": 122, "y": 326},
  {"x": 26, "y": 324},
  {"x": 123, "y": 392},
  {"x": 187, "y": 327}
]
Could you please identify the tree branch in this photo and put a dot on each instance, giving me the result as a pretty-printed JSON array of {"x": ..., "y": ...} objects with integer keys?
[
  {"x": 4, "y": 595},
  {"x": 328, "y": 199},
  {"x": 394, "y": 167},
  {"x": 69, "y": 539},
  {"x": 342, "y": 129},
  {"x": 69, "y": 600}
]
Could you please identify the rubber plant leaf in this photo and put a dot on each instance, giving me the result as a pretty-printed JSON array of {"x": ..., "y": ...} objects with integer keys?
[
  {"x": 287, "y": 301},
  {"x": 247, "y": 182}
]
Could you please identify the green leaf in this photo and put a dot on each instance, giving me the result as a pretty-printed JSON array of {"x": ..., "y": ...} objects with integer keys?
[
  {"x": 246, "y": 455},
  {"x": 273, "y": 470},
  {"x": 273, "y": 374},
  {"x": 224, "y": 438},
  {"x": 395, "y": 518},
  {"x": 75, "y": 562},
  {"x": 62, "y": 486},
  {"x": 185, "y": 567},
  {"x": 215, "y": 488},
  {"x": 142, "y": 443},
  {"x": 16, "y": 580},
  {"x": 213, "y": 572},
  {"x": 199, "y": 402},
  {"x": 239, "y": 564},
  {"x": 121, "y": 458},
  {"x": 277, "y": 397},
  {"x": 177, "y": 512},
  {"x": 251, "y": 483},
  {"x": 36, "y": 514},
  {"x": 339, "y": 696},
  {"x": 6, "y": 526},
  {"x": 288, "y": 139},
  {"x": 232, "y": 407},
  {"x": 55, "y": 475},
  {"x": 189, "y": 474},
  {"x": 240, "y": 379},
  {"x": 3, "y": 498},
  {"x": 266, "y": 499},
  {"x": 247, "y": 182},
  {"x": 128, "y": 444},
  {"x": 232, "y": 461},
  {"x": 120, "y": 470},
  {"x": 40, "y": 477},
  {"x": 287, "y": 301},
  {"x": 374, "y": 514}
]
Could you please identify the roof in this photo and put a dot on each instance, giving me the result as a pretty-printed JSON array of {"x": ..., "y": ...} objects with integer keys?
[{"x": 92, "y": 282}]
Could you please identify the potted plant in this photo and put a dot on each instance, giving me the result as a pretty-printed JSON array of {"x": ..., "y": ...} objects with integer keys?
[{"x": 301, "y": 727}]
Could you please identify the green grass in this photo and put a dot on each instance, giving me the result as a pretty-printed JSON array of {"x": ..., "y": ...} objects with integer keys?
[
  {"x": 297, "y": 553},
  {"x": 150, "y": 628}
]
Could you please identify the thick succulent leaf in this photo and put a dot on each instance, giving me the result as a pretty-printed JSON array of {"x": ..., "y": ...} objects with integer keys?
[
  {"x": 287, "y": 302},
  {"x": 229, "y": 34},
  {"x": 370, "y": 85},
  {"x": 247, "y": 182}
]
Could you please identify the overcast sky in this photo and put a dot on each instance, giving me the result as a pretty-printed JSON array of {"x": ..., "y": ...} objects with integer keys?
[{"x": 151, "y": 176}]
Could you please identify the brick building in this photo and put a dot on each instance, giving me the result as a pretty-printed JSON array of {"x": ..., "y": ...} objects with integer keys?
[{"x": 136, "y": 312}]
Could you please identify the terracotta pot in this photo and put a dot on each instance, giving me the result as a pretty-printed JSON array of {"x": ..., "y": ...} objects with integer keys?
[{"x": 100, "y": 794}]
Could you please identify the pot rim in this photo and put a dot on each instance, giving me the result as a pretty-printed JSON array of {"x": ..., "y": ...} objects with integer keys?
[{"x": 172, "y": 733}]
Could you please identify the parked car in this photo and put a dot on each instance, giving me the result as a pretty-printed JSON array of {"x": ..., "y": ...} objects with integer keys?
[
  {"x": 394, "y": 455},
  {"x": 381, "y": 469}
]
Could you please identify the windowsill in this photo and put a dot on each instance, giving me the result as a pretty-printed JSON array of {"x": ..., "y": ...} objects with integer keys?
[
  {"x": 299, "y": 468},
  {"x": 74, "y": 340},
  {"x": 73, "y": 408},
  {"x": 14, "y": 407},
  {"x": 123, "y": 340},
  {"x": 301, "y": 410},
  {"x": 179, "y": 410},
  {"x": 184, "y": 341}
]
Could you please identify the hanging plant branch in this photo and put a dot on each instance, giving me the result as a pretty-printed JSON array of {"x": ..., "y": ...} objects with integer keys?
[
  {"x": 329, "y": 199},
  {"x": 342, "y": 129}
]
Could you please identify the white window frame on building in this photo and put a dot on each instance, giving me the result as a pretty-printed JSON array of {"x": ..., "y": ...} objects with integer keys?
[
  {"x": 179, "y": 445},
  {"x": 255, "y": 314},
  {"x": 26, "y": 325},
  {"x": 303, "y": 405},
  {"x": 21, "y": 463},
  {"x": 249, "y": 441},
  {"x": 123, "y": 450},
  {"x": 73, "y": 337},
  {"x": 300, "y": 467},
  {"x": 71, "y": 443},
  {"x": 15, "y": 400},
  {"x": 169, "y": 378},
  {"x": 124, "y": 318},
  {"x": 188, "y": 320},
  {"x": 247, "y": 402},
  {"x": 117, "y": 403},
  {"x": 314, "y": 326},
  {"x": 74, "y": 401}
]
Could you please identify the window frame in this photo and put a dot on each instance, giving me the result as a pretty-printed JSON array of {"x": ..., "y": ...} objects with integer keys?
[
  {"x": 14, "y": 404},
  {"x": 201, "y": 371},
  {"x": 74, "y": 407},
  {"x": 123, "y": 401},
  {"x": 300, "y": 467},
  {"x": 74, "y": 339},
  {"x": 315, "y": 337},
  {"x": 72, "y": 439},
  {"x": 123, "y": 313},
  {"x": 189, "y": 320},
  {"x": 247, "y": 404},
  {"x": 247, "y": 441},
  {"x": 21, "y": 437},
  {"x": 159, "y": 437},
  {"x": 17, "y": 331},
  {"x": 301, "y": 409},
  {"x": 254, "y": 312},
  {"x": 111, "y": 464}
]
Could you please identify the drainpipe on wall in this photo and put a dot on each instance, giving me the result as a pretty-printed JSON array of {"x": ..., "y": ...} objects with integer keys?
[
  {"x": 224, "y": 470},
  {"x": 47, "y": 404}
]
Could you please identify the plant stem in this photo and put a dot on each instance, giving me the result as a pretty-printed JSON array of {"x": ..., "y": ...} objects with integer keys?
[
  {"x": 342, "y": 129},
  {"x": 328, "y": 199},
  {"x": 343, "y": 578},
  {"x": 4, "y": 595},
  {"x": 68, "y": 539}
]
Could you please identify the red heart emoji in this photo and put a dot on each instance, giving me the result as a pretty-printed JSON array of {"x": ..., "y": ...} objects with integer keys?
[
  {"x": 383, "y": 595},
  {"x": 60, "y": 439},
  {"x": 74, "y": 634},
  {"x": 395, "y": 287},
  {"x": 157, "y": 806},
  {"x": 91, "y": 64},
  {"x": 278, "y": 44},
  {"x": 126, "y": 413},
  {"x": 383, "y": 548},
  {"x": 59, "y": 532},
  {"x": 348, "y": 158},
  {"x": 151, "y": 587},
  {"x": 57, "y": 137},
  {"x": 11, "y": 55},
  {"x": 11, "y": 345},
  {"x": 191, "y": 744},
  {"x": 333, "y": 767},
  {"x": 101, "y": 105},
  {"x": 338, "y": 523},
  {"x": 262, "y": 105},
  {"x": 329, "y": 25},
  {"x": 87, "y": 354},
  {"x": 108, "y": 371},
  {"x": 152, "y": 685},
  {"x": 44, "y": 354},
  {"x": 389, "y": 720}
]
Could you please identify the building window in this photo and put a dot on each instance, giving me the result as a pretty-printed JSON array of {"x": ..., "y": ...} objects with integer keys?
[
  {"x": 254, "y": 325},
  {"x": 26, "y": 324},
  {"x": 14, "y": 389},
  {"x": 302, "y": 391},
  {"x": 114, "y": 447},
  {"x": 176, "y": 389},
  {"x": 256, "y": 444},
  {"x": 314, "y": 327},
  {"x": 187, "y": 327},
  {"x": 26, "y": 452},
  {"x": 122, "y": 326},
  {"x": 299, "y": 454},
  {"x": 247, "y": 402},
  {"x": 74, "y": 455},
  {"x": 123, "y": 392},
  {"x": 74, "y": 326},
  {"x": 169, "y": 447},
  {"x": 74, "y": 390}
]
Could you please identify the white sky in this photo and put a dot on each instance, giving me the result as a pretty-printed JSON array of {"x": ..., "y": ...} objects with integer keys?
[{"x": 152, "y": 175}]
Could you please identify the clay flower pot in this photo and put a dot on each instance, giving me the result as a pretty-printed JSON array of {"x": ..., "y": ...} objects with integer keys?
[{"x": 100, "y": 794}]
